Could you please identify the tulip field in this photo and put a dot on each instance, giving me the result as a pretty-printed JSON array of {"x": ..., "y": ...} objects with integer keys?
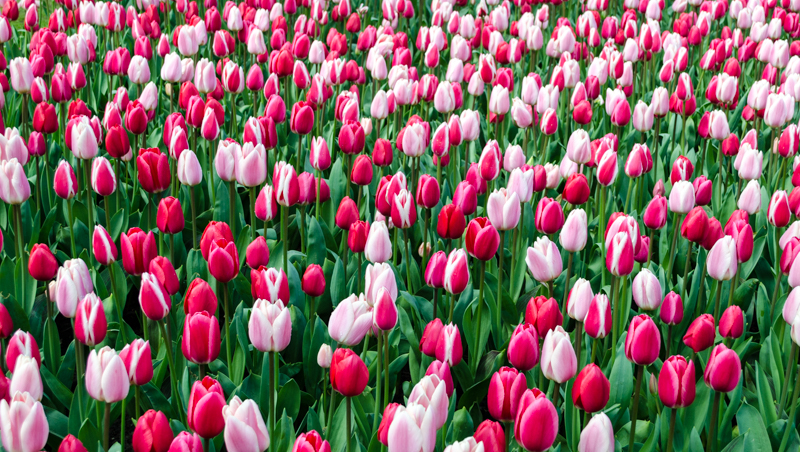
[{"x": 399, "y": 225}]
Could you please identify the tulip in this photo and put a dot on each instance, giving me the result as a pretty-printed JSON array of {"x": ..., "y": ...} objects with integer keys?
[
  {"x": 598, "y": 435},
  {"x": 270, "y": 326},
  {"x": 199, "y": 297},
  {"x": 544, "y": 260},
  {"x": 23, "y": 424},
  {"x": 349, "y": 374},
  {"x": 750, "y": 198},
  {"x": 559, "y": 362},
  {"x": 549, "y": 216},
  {"x": 574, "y": 234},
  {"x": 523, "y": 348},
  {"x": 106, "y": 376},
  {"x": 505, "y": 391},
  {"x": 731, "y": 324},
  {"x": 201, "y": 337},
  {"x": 619, "y": 256},
  {"x": 14, "y": 187},
  {"x": 137, "y": 357},
  {"x": 223, "y": 260},
  {"x": 170, "y": 216},
  {"x": 71, "y": 444},
  {"x": 676, "y": 382},
  {"x": 206, "y": 404},
  {"x": 536, "y": 423},
  {"x": 721, "y": 262},
  {"x": 671, "y": 311},
  {"x": 245, "y": 430},
  {"x": 456, "y": 273},
  {"x": 482, "y": 239},
  {"x": 153, "y": 170},
  {"x": 152, "y": 433},
  {"x": 591, "y": 390},
  {"x": 72, "y": 284},
  {"x": 26, "y": 378},
  {"x": 21, "y": 344},
  {"x": 723, "y": 369},
  {"x": 646, "y": 290},
  {"x": 701, "y": 333},
  {"x": 186, "y": 442},
  {"x": 42, "y": 265},
  {"x": 543, "y": 312},
  {"x": 643, "y": 341},
  {"x": 90, "y": 321}
]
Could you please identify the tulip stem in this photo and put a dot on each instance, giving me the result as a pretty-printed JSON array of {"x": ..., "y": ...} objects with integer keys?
[
  {"x": 790, "y": 427},
  {"x": 194, "y": 218},
  {"x": 711, "y": 440},
  {"x": 106, "y": 423},
  {"x": 672, "y": 419},
  {"x": 316, "y": 210},
  {"x": 684, "y": 290},
  {"x": 226, "y": 298},
  {"x": 232, "y": 207},
  {"x": 386, "y": 370},
  {"x": 122, "y": 418},
  {"x": 79, "y": 371},
  {"x": 378, "y": 383},
  {"x": 635, "y": 406},
  {"x": 408, "y": 263},
  {"x": 668, "y": 342},
  {"x": 567, "y": 287},
  {"x": 272, "y": 395},
  {"x": 676, "y": 224},
  {"x": 501, "y": 254},
  {"x": 716, "y": 302},
  {"x": 788, "y": 374},
  {"x": 556, "y": 394},
  {"x": 117, "y": 301},
  {"x": 578, "y": 339},
  {"x": 171, "y": 364},
  {"x": 285, "y": 239},
  {"x": 349, "y": 427},
  {"x": 601, "y": 213},
  {"x": 615, "y": 314},
  {"x": 330, "y": 413},
  {"x": 253, "y": 232},
  {"x": 473, "y": 351},
  {"x": 425, "y": 243}
]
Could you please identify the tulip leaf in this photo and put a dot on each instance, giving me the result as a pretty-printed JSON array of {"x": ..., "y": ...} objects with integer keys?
[
  {"x": 156, "y": 399},
  {"x": 317, "y": 250},
  {"x": 752, "y": 424},
  {"x": 766, "y": 401},
  {"x": 289, "y": 399},
  {"x": 621, "y": 379},
  {"x": 119, "y": 223},
  {"x": 89, "y": 435},
  {"x": 461, "y": 427},
  {"x": 237, "y": 366},
  {"x": 337, "y": 436},
  {"x": 58, "y": 423},
  {"x": 758, "y": 248},
  {"x": 695, "y": 415}
]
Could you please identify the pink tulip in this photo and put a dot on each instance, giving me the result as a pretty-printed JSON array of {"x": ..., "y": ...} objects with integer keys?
[
  {"x": 23, "y": 424},
  {"x": 559, "y": 362},
  {"x": 270, "y": 326},
  {"x": 106, "y": 376},
  {"x": 643, "y": 341},
  {"x": 137, "y": 357},
  {"x": 536, "y": 423}
]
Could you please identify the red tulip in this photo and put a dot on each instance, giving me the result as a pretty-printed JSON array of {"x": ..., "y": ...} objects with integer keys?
[{"x": 349, "y": 374}]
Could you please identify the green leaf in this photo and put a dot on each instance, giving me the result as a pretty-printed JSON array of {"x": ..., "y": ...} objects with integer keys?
[
  {"x": 766, "y": 401},
  {"x": 289, "y": 399},
  {"x": 52, "y": 346},
  {"x": 56, "y": 388},
  {"x": 461, "y": 427},
  {"x": 157, "y": 400},
  {"x": 316, "y": 243},
  {"x": 751, "y": 423},
  {"x": 237, "y": 366}
]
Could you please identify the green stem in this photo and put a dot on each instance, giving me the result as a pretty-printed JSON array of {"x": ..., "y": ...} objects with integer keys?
[
  {"x": 349, "y": 427},
  {"x": 676, "y": 220},
  {"x": 272, "y": 393},
  {"x": 78, "y": 371},
  {"x": 377, "y": 384},
  {"x": 171, "y": 363},
  {"x": 500, "y": 285},
  {"x": 672, "y": 419},
  {"x": 711, "y": 440},
  {"x": 117, "y": 302},
  {"x": 790, "y": 424},
  {"x": 686, "y": 271},
  {"x": 106, "y": 423},
  {"x": 716, "y": 302},
  {"x": 635, "y": 406},
  {"x": 474, "y": 356},
  {"x": 386, "y": 371},
  {"x": 787, "y": 376},
  {"x": 194, "y": 219},
  {"x": 226, "y": 298},
  {"x": 615, "y": 314},
  {"x": 285, "y": 239},
  {"x": 232, "y": 207},
  {"x": 569, "y": 286},
  {"x": 123, "y": 416},
  {"x": 408, "y": 263}
]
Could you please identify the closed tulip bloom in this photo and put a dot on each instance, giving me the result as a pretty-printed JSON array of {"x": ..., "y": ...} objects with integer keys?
[
  {"x": 153, "y": 166},
  {"x": 504, "y": 209},
  {"x": 523, "y": 347},
  {"x": 90, "y": 321},
  {"x": 152, "y": 433},
  {"x": 190, "y": 172},
  {"x": 319, "y": 155},
  {"x": 448, "y": 347},
  {"x": 579, "y": 299},
  {"x": 778, "y": 212},
  {"x": 723, "y": 370},
  {"x": 482, "y": 239},
  {"x": 26, "y": 378},
  {"x": 579, "y": 147},
  {"x": 703, "y": 189},
  {"x": 646, "y": 290},
  {"x": 349, "y": 374},
  {"x": 377, "y": 277},
  {"x": 21, "y": 344},
  {"x": 591, "y": 390},
  {"x": 138, "y": 249},
  {"x": 731, "y": 323},
  {"x": 223, "y": 260},
  {"x": 245, "y": 430},
  {"x": 619, "y": 256},
  {"x": 153, "y": 297},
  {"x": 722, "y": 259},
  {"x": 549, "y": 216},
  {"x": 750, "y": 198},
  {"x": 456, "y": 274},
  {"x": 137, "y": 357},
  {"x": 186, "y": 442},
  {"x": 544, "y": 313},
  {"x": 428, "y": 193},
  {"x": 544, "y": 260},
  {"x": 106, "y": 376},
  {"x": 199, "y": 297},
  {"x": 598, "y": 435},
  {"x": 434, "y": 272},
  {"x": 379, "y": 246},
  {"x": 351, "y": 320},
  {"x": 23, "y": 424},
  {"x": 71, "y": 444},
  {"x": 270, "y": 326},
  {"x": 536, "y": 424},
  {"x": 206, "y": 403},
  {"x": 655, "y": 214},
  {"x": 104, "y": 181},
  {"x": 643, "y": 341},
  {"x": 201, "y": 338},
  {"x": 287, "y": 186},
  {"x": 574, "y": 234},
  {"x": 225, "y": 160},
  {"x": 313, "y": 283},
  {"x": 65, "y": 183},
  {"x": 42, "y": 265},
  {"x": 73, "y": 282},
  {"x": 489, "y": 162},
  {"x": 681, "y": 198},
  {"x": 14, "y": 187},
  {"x": 749, "y": 162},
  {"x": 170, "y": 216},
  {"x": 701, "y": 333},
  {"x": 257, "y": 253},
  {"x": 559, "y": 362},
  {"x": 671, "y": 311},
  {"x": 676, "y": 382},
  {"x": 251, "y": 165},
  {"x": 505, "y": 391}
]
